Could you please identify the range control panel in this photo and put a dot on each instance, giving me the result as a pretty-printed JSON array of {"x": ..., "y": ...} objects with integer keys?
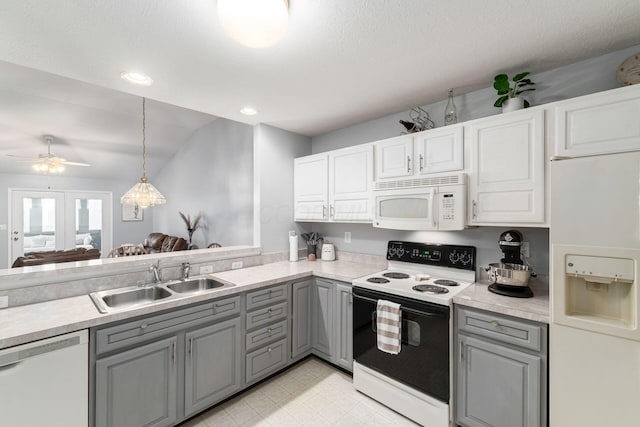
[{"x": 451, "y": 256}]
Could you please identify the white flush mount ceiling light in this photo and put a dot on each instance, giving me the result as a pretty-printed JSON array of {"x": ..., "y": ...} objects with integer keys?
[
  {"x": 248, "y": 111},
  {"x": 136, "y": 78},
  {"x": 143, "y": 194},
  {"x": 254, "y": 23}
]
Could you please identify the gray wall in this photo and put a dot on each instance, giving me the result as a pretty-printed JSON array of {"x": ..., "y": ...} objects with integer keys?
[
  {"x": 274, "y": 151},
  {"x": 211, "y": 174},
  {"x": 593, "y": 75},
  {"x": 123, "y": 232}
]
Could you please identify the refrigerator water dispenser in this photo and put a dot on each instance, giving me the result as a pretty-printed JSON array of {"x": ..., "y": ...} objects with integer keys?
[{"x": 596, "y": 292}]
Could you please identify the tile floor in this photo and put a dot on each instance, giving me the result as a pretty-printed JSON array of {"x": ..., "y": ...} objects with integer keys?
[{"x": 311, "y": 393}]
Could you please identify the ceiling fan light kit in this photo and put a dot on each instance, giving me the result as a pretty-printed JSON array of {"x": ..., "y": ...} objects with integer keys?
[
  {"x": 254, "y": 23},
  {"x": 143, "y": 194}
]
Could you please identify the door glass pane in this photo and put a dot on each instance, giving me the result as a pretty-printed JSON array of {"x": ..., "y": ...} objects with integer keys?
[
  {"x": 407, "y": 207},
  {"x": 88, "y": 223},
  {"x": 39, "y": 224}
]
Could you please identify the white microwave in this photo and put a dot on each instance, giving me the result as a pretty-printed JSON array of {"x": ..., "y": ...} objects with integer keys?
[{"x": 430, "y": 203}]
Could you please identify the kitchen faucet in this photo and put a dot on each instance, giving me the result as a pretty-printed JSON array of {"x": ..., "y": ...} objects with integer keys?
[
  {"x": 155, "y": 269},
  {"x": 186, "y": 267}
]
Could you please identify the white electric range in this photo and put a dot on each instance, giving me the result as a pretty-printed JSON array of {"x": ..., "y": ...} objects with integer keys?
[{"x": 422, "y": 278}]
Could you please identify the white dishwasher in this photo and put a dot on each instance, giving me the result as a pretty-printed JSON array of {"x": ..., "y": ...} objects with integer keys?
[{"x": 46, "y": 383}]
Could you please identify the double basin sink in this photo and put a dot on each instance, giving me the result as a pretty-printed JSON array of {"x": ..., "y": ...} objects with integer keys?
[{"x": 137, "y": 296}]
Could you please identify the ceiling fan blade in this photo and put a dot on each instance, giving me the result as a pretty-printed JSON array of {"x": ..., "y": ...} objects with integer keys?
[
  {"x": 23, "y": 158},
  {"x": 64, "y": 162}
]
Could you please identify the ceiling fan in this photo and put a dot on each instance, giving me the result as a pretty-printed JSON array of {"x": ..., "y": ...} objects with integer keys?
[{"x": 48, "y": 162}]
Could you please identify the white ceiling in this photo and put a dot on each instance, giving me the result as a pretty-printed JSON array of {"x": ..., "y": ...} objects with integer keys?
[{"x": 340, "y": 63}]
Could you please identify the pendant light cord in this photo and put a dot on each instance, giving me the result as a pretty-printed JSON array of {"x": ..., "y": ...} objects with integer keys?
[{"x": 144, "y": 147}]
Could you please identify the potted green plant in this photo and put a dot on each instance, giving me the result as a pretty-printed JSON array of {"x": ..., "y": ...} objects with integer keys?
[{"x": 510, "y": 99}]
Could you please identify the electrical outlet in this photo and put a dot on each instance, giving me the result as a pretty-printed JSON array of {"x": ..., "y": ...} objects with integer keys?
[
  {"x": 4, "y": 301},
  {"x": 236, "y": 265},
  {"x": 524, "y": 249},
  {"x": 206, "y": 269},
  {"x": 347, "y": 237}
]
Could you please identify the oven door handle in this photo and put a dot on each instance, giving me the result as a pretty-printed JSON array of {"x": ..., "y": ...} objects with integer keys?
[{"x": 408, "y": 310}]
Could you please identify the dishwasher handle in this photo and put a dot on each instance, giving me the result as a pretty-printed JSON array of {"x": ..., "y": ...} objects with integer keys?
[{"x": 10, "y": 359}]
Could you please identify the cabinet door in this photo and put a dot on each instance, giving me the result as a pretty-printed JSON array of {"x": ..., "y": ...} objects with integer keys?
[
  {"x": 506, "y": 183},
  {"x": 394, "y": 157},
  {"x": 213, "y": 368},
  {"x": 138, "y": 387},
  {"x": 323, "y": 336},
  {"x": 601, "y": 123},
  {"x": 301, "y": 319},
  {"x": 351, "y": 184},
  {"x": 344, "y": 331},
  {"x": 310, "y": 188},
  {"x": 496, "y": 386},
  {"x": 439, "y": 150}
]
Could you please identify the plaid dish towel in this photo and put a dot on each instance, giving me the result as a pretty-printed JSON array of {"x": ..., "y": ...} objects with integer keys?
[{"x": 389, "y": 325}]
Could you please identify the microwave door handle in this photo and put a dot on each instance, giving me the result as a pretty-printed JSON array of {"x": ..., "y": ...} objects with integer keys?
[{"x": 434, "y": 199}]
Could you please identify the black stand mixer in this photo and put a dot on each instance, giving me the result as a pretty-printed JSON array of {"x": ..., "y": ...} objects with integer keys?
[{"x": 510, "y": 276}]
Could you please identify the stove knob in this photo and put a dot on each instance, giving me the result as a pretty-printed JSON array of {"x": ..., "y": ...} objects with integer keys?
[
  {"x": 454, "y": 257},
  {"x": 465, "y": 258},
  {"x": 400, "y": 252},
  {"x": 392, "y": 251}
]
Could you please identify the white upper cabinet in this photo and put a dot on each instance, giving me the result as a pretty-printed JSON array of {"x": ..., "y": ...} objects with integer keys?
[
  {"x": 421, "y": 153},
  {"x": 311, "y": 188},
  {"x": 394, "y": 157},
  {"x": 334, "y": 186},
  {"x": 439, "y": 150},
  {"x": 506, "y": 179},
  {"x": 601, "y": 123}
]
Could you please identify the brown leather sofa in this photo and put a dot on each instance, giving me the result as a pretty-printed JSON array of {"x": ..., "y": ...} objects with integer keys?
[
  {"x": 160, "y": 242},
  {"x": 52, "y": 257}
]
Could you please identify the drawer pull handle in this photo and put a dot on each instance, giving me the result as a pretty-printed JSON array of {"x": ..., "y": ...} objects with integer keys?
[
  {"x": 144, "y": 325},
  {"x": 495, "y": 323}
]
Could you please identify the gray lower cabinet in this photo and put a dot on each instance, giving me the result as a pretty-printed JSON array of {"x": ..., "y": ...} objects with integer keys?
[
  {"x": 344, "y": 331},
  {"x": 301, "y": 318},
  {"x": 266, "y": 339},
  {"x": 213, "y": 368},
  {"x": 501, "y": 375},
  {"x": 138, "y": 387},
  {"x": 323, "y": 319}
]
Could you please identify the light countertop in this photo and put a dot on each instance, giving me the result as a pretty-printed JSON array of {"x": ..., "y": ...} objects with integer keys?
[
  {"x": 536, "y": 308},
  {"x": 32, "y": 322}
]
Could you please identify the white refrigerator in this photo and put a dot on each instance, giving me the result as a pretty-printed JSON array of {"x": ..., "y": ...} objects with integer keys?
[{"x": 594, "y": 338}]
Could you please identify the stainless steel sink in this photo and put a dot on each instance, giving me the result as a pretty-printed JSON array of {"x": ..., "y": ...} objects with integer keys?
[
  {"x": 120, "y": 299},
  {"x": 201, "y": 284},
  {"x": 130, "y": 297}
]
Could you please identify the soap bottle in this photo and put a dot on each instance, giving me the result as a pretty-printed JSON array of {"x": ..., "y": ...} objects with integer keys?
[{"x": 293, "y": 246}]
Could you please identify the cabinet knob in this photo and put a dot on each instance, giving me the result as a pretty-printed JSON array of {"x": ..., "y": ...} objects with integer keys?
[
  {"x": 269, "y": 331},
  {"x": 144, "y": 325},
  {"x": 495, "y": 323},
  {"x": 269, "y": 349}
]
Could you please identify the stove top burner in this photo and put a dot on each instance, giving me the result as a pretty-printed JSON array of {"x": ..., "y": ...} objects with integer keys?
[
  {"x": 396, "y": 275},
  {"x": 377, "y": 280},
  {"x": 445, "y": 282},
  {"x": 430, "y": 289}
]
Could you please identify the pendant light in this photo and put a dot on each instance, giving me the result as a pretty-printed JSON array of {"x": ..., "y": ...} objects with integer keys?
[
  {"x": 143, "y": 194},
  {"x": 254, "y": 23}
]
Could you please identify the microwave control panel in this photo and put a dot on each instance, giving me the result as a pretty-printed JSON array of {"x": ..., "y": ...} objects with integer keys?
[{"x": 451, "y": 256}]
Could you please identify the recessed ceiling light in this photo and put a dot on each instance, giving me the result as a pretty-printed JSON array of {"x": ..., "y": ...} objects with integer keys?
[
  {"x": 254, "y": 23},
  {"x": 248, "y": 111},
  {"x": 137, "y": 78}
]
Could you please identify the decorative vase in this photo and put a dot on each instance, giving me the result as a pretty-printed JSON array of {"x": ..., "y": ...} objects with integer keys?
[{"x": 513, "y": 104}]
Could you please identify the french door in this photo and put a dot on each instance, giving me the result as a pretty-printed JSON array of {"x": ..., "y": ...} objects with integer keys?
[{"x": 44, "y": 220}]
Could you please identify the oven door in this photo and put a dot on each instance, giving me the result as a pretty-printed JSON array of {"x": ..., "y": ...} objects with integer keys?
[
  {"x": 423, "y": 361},
  {"x": 406, "y": 209}
]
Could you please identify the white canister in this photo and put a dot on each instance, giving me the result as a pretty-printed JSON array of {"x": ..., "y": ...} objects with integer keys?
[
  {"x": 328, "y": 252},
  {"x": 293, "y": 246}
]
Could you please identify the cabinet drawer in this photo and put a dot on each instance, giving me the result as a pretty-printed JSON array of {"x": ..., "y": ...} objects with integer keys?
[
  {"x": 508, "y": 330},
  {"x": 267, "y": 315},
  {"x": 266, "y": 296},
  {"x": 266, "y": 334},
  {"x": 123, "y": 335},
  {"x": 266, "y": 360}
]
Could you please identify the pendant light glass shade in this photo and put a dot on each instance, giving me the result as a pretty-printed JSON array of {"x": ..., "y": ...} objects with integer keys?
[
  {"x": 143, "y": 194},
  {"x": 254, "y": 23}
]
